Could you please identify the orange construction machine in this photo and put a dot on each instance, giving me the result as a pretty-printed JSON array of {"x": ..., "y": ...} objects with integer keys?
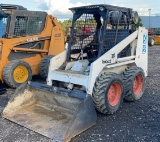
[{"x": 28, "y": 39}]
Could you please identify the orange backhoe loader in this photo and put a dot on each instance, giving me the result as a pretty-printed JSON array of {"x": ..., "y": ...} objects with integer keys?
[{"x": 28, "y": 39}]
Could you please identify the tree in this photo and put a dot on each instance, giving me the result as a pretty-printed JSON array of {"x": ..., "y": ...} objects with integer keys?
[
  {"x": 139, "y": 23},
  {"x": 66, "y": 24}
]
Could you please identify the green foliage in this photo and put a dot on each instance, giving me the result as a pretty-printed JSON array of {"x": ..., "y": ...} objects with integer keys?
[
  {"x": 139, "y": 24},
  {"x": 66, "y": 24}
]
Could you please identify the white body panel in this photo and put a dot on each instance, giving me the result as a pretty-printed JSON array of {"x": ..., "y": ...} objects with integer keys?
[
  {"x": 55, "y": 63},
  {"x": 109, "y": 61},
  {"x": 141, "y": 59}
]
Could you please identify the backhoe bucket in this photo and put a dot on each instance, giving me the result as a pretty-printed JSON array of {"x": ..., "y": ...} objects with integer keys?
[{"x": 57, "y": 113}]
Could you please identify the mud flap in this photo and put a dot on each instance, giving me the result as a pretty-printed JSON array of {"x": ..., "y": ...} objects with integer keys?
[{"x": 57, "y": 113}]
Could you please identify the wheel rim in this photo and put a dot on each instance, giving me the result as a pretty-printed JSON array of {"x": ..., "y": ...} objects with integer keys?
[
  {"x": 20, "y": 74},
  {"x": 114, "y": 93},
  {"x": 138, "y": 84}
]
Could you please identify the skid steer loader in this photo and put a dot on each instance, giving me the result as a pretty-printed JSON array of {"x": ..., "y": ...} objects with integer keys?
[
  {"x": 25, "y": 38},
  {"x": 102, "y": 66}
]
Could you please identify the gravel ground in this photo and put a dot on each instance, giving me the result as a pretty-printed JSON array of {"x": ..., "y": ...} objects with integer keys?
[{"x": 134, "y": 122}]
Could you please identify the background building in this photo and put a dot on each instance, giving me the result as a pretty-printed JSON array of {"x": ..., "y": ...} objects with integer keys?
[{"x": 151, "y": 22}]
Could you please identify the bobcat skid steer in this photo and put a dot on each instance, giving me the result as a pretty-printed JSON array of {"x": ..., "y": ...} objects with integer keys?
[{"x": 102, "y": 66}]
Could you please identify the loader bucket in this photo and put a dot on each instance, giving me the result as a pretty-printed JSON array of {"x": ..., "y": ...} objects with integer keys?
[{"x": 57, "y": 113}]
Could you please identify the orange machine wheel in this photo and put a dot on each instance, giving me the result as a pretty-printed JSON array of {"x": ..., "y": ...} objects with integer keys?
[
  {"x": 17, "y": 72},
  {"x": 108, "y": 93},
  {"x": 114, "y": 93},
  {"x": 134, "y": 82}
]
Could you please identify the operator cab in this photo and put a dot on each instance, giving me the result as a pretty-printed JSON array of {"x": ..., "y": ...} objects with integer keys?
[
  {"x": 17, "y": 21},
  {"x": 5, "y": 11},
  {"x": 96, "y": 29}
]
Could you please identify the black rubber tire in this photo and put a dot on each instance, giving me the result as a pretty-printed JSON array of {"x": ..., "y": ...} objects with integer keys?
[
  {"x": 150, "y": 41},
  {"x": 9, "y": 69},
  {"x": 43, "y": 66},
  {"x": 128, "y": 79},
  {"x": 100, "y": 92}
]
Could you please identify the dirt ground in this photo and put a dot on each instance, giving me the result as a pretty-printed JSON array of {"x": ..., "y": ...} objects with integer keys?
[{"x": 134, "y": 122}]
